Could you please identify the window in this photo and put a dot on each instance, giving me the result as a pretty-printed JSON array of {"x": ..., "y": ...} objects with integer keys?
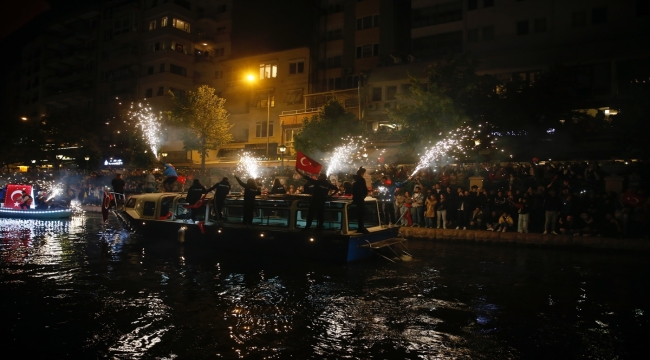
[
  {"x": 268, "y": 71},
  {"x": 220, "y": 52},
  {"x": 218, "y": 74},
  {"x": 181, "y": 25},
  {"x": 149, "y": 208},
  {"x": 488, "y": 33},
  {"x": 391, "y": 91},
  {"x": 376, "y": 94},
  {"x": 260, "y": 129},
  {"x": 124, "y": 25},
  {"x": 179, "y": 47},
  {"x": 488, "y": 3},
  {"x": 438, "y": 45},
  {"x": 335, "y": 34},
  {"x": 522, "y": 27},
  {"x": 540, "y": 25},
  {"x": 161, "y": 91},
  {"x": 296, "y": 67},
  {"x": 222, "y": 9},
  {"x": 367, "y": 50},
  {"x": 437, "y": 14},
  {"x": 351, "y": 81},
  {"x": 406, "y": 89},
  {"x": 162, "y": 67},
  {"x": 335, "y": 8},
  {"x": 472, "y": 35},
  {"x": 578, "y": 19},
  {"x": 152, "y": 25},
  {"x": 599, "y": 15},
  {"x": 367, "y": 22},
  {"x": 163, "y": 22},
  {"x": 148, "y": 93},
  {"x": 472, "y": 4},
  {"x": 334, "y": 83},
  {"x": 294, "y": 96},
  {"x": 221, "y": 29},
  {"x": 178, "y": 70},
  {"x": 150, "y": 70},
  {"x": 261, "y": 99},
  {"x": 334, "y": 62},
  {"x": 177, "y": 93}
]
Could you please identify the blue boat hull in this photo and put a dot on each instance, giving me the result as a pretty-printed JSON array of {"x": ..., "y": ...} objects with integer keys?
[{"x": 36, "y": 214}]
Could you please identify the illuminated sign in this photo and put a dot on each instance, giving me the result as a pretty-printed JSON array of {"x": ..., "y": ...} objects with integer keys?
[{"x": 113, "y": 162}]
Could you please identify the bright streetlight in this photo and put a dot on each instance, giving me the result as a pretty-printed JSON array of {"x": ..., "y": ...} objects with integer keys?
[{"x": 282, "y": 149}]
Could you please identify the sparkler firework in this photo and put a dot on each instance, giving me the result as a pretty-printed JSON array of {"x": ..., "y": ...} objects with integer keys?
[
  {"x": 149, "y": 123},
  {"x": 248, "y": 165},
  {"x": 347, "y": 154}
]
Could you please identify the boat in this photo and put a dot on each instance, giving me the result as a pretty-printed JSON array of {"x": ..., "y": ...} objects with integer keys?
[
  {"x": 278, "y": 226},
  {"x": 45, "y": 214}
]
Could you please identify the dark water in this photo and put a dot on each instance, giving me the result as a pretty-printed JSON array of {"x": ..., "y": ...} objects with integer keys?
[{"x": 66, "y": 292}]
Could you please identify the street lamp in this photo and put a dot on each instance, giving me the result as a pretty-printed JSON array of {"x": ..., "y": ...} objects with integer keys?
[
  {"x": 24, "y": 118},
  {"x": 282, "y": 149},
  {"x": 59, "y": 157},
  {"x": 251, "y": 78},
  {"x": 86, "y": 158}
]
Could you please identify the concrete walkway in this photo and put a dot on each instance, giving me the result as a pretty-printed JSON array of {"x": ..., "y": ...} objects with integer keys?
[{"x": 485, "y": 236}]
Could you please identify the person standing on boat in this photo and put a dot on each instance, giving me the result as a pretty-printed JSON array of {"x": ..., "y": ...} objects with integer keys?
[
  {"x": 278, "y": 188},
  {"x": 118, "y": 184},
  {"x": 250, "y": 191},
  {"x": 194, "y": 194},
  {"x": 320, "y": 189},
  {"x": 359, "y": 193},
  {"x": 222, "y": 190},
  {"x": 171, "y": 177}
]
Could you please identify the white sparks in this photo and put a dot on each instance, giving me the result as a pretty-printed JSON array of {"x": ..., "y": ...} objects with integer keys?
[
  {"x": 248, "y": 165},
  {"x": 347, "y": 154},
  {"x": 149, "y": 122}
]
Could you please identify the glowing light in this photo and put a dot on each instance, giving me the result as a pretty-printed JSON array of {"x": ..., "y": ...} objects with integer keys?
[
  {"x": 248, "y": 165},
  {"x": 149, "y": 123},
  {"x": 347, "y": 154}
]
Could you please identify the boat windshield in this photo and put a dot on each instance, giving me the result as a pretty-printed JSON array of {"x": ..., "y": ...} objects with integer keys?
[{"x": 370, "y": 218}]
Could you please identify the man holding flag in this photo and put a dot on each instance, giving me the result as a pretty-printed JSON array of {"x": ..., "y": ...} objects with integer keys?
[{"x": 321, "y": 189}]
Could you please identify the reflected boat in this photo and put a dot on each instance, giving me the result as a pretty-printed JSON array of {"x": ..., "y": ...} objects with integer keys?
[
  {"x": 37, "y": 214},
  {"x": 278, "y": 226}
]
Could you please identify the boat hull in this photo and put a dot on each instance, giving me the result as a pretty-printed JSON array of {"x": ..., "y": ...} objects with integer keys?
[
  {"x": 263, "y": 240},
  {"x": 36, "y": 214}
]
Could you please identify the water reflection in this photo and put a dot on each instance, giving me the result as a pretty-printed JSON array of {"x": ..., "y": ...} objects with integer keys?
[{"x": 100, "y": 292}]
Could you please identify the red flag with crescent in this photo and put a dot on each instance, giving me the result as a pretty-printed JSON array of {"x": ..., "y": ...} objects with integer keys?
[
  {"x": 14, "y": 195},
  {"x": 307, "y": 164}
]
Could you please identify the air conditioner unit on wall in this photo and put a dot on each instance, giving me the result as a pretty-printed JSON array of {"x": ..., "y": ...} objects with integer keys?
[{"x": 372, "y": 106}]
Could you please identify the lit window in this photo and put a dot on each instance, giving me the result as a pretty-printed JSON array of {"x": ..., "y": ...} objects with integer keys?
[
  {"x": 294, "y": 96},
  {"x": 152, "y": 25},
  {"x": 268, "y": 71},
  {"x": 181, "y": 25},
  {"x": 163, "y": 22},
  {"x": 261, "y": 99}
]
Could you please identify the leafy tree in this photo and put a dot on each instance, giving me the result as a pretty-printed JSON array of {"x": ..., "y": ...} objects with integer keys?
[
  {"x": 446, "y": 100},
  {"x": 326, "y": 130},
  {"x": 204, "y": 118}
]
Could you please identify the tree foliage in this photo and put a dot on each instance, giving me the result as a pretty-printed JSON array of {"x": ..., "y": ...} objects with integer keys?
[
  {"x": 326, "y": 130},
  {"x": 204, "y": 120}
]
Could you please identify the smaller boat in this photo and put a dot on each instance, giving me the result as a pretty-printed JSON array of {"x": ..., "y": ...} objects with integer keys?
[{"x": 49, "y": 214}]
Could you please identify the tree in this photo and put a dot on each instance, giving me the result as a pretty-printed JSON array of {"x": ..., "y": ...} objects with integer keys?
[
  {"x": 204, "y": 118},
  {"x": 439, "y": 105},
  {"x": 326, "y": 130}
]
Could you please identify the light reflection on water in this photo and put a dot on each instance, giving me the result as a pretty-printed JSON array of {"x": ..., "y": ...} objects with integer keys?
[{"x": 90, "y": 292}]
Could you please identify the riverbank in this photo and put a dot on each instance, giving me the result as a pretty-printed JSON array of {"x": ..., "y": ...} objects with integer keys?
[{"x": 526, "y": 239}]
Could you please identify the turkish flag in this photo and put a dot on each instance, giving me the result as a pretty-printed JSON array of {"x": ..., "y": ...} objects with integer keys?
[
  {"x": 106, "y": 203},
  {"x": 14, "y": 195},
  {"x": 306, "y": 164}
]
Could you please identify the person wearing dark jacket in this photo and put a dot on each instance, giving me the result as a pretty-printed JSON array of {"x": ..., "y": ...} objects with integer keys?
[
  {"x": 194, "y": 194},
  {"x": 222, "y": 190},
  {"x": 552, "y": 207},
  {"x": 278, "y": 188},
  {"x": 320, "y": 189},
  {"x": 118, "y": 184},
  {"x": 359, "y": 193},
  {"x": 250, "y": 191}
]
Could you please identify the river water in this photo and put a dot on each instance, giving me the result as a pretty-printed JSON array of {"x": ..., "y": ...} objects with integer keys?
[{"x": 70, "y": 290}]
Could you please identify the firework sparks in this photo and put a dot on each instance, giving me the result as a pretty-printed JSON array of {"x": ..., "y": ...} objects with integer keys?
[
  {"x": 347, "y": 154},
  {"x": 149, "y": 123},
  {"x": 248, "y": 165}
]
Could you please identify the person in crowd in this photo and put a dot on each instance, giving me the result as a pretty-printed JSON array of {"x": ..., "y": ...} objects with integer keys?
[
  {"x": 222, "y": 189},
  {"x": 441, "y": 212},
  {"x": 462, "y": 209},
  {"x": 320, "y": 190},
  {"x": 417, "y": 206},
  {"x": 25, "y": 200},
  {"x": 149, "y": 182},
  {"x": 359, "y": 193},
  {"x": 118, "y": 184},
  {"x": 492, "y": 220},
  {"x": 250, "y": 191},
  {"x": 524, "y": 215},
  {"x": 292, "y": 190},
  {"x": 430, "y": 213},
  {"x": 347, "y": 187},
  {"x": 387, "y": 200},
  {"x": 194, "y": 193},
  {"x": 400, "y": 208},
  {"x": 476, "y": 219},
  {"x": 278, "y": 188},
  {"x": 170, "y": 177},
  {"x": 505, "y": 222},
  {"x": 552, "y": 206}
]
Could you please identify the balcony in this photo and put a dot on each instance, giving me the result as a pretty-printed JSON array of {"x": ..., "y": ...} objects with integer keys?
[{"x": 170, "y": 54}]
